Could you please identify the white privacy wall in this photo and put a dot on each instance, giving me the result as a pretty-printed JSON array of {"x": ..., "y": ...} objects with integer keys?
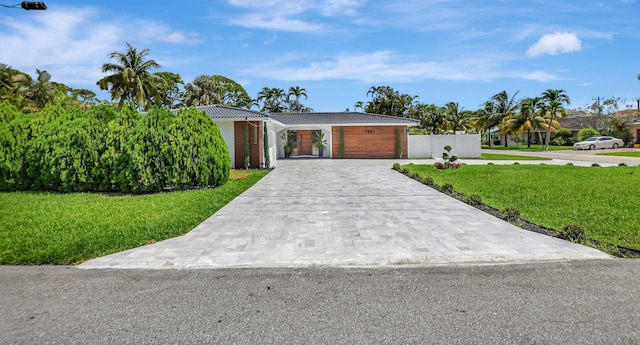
[{"x": 432, "y": 146}]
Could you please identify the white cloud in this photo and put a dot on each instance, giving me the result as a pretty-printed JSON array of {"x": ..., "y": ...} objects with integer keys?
[
  {"x": 541, "y": 76},
  {"x": 553, "y": 44},
  {"x": 72, "y": 44},
  {"x": 284, "y": 15},
  {"x": 260, "y": 21},
  {"x": 385, "y": 66}
]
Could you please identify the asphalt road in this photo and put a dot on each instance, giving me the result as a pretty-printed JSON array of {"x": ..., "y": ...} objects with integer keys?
[
  {"x": 586, "y": 302},
  {"x": 591, "y": 156}
]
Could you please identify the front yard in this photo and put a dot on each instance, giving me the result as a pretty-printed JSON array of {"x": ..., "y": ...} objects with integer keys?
[
  {"x": 50, "y": 228},
  {"x": 604, "y": 201}
]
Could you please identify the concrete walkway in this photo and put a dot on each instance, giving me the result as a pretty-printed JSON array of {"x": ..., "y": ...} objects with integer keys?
[{"x": 345, "y": 213}]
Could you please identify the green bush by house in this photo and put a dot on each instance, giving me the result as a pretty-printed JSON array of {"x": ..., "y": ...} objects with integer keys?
[{"x": 103, "y": 150}]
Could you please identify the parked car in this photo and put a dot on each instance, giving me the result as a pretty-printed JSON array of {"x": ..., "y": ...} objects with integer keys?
[{"x": 599, "y": 143}]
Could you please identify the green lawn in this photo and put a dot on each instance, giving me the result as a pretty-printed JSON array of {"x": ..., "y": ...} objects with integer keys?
[
  {"x": 534, "y": 148},
  {"x": 621, "y": 154},
  {"x": 604, "y": 201},
  {"x": 49, "y": 228},
  {"x": 505, "y": 157}
]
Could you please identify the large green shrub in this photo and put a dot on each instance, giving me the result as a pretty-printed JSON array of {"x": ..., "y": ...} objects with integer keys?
[
  {"x": 101, "y": 149},
  {"x": 14, "y": 137},
  {"x": 588, "y": 132},
  {"x": 198, "y": 153},
  {"x": 113, "y": 171},
  {"x": 8, "y": 112},
  {"x": 149, "y": 152},
  {"x": 64, "y": 154},
  {"x": 564, "y": 133}
]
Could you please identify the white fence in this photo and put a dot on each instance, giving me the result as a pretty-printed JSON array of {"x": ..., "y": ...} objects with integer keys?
[{"x": 432, "y": 146}]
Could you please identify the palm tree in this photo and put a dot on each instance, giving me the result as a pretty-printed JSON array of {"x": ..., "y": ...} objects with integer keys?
[
  {"x": 41, "y": 91},
  {"x": 503, "y": 106},
  {"x": 456, "y": 118},
  {"x": 272, "y": 99},
  {"x": 485, "y": 119},
  {"x": 553, "y": 100},
  {"x": 297, "y": 92},
  {"x": 13, "y": 84},
  {"x": 131, "y": 80},
  {"x": 528, "y": 119},
  {"x": 359, "y": 104}
]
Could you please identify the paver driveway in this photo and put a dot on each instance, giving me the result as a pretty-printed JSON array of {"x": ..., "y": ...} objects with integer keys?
[{"x": 342, "y": 213}]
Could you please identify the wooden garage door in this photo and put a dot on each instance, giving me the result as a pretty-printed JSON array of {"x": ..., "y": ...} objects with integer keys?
[{"x": 369, "y": 142}]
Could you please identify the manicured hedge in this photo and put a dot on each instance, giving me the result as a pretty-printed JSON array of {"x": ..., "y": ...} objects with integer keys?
[{"x": 99, "y": 149}]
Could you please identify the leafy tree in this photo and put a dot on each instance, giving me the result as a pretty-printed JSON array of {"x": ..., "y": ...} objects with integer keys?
[
  {"x": 619, "y": 129},
  {"x": 169, "y": 92},
  {"x": 86, "y": 97},
  {"x": 131, "y": 79},
  {"x": 387, "y": 101},
  {"x": 554, "y": 101},
  {"x": 216, "y": 89}
]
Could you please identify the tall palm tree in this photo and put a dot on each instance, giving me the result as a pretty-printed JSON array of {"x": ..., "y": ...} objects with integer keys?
[
  {"x": 272, "y": 99},
  {"x": 457, "y": 119},
  {"x": 359, "y": 104},
  {"x": 503, "y": 106},
  {"x": 297, "y": 92},
  {"x": 131, "y": 80},
  {"x": 486, "y": 119},
  {"x": 554, "y": 101},
  {"x": 528, "y": 119}
]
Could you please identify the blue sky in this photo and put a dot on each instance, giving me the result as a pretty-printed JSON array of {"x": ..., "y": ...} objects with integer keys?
[{"x": 440, "y": 50}]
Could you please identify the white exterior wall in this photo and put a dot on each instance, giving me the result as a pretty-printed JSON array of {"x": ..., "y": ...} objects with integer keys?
[
  {"x": 226, "y": 128},
  {"x": 273, "y": 144},
  {"x": 432, "y": 146}
]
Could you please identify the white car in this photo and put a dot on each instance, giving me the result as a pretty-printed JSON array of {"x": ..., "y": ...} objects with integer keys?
[{"x": 599, "y": 143}]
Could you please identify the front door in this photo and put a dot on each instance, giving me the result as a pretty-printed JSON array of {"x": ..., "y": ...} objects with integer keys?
[{"x": 305, "y": 143}]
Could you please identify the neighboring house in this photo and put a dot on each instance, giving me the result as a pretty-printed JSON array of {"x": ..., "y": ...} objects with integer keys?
[
  {"x": 575, "y": 124},
  {"x": 365, "y": 135},
  {"x": 635, "y": 130}
]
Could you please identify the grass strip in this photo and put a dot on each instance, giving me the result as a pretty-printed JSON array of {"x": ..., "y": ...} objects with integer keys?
[
  {"x": 506, "y": 157},
  {"x": 603, "y": 201},
  {"x": 622, "y": 154},
  {"x": 49, "y": 228},
  {"x": 524, "y": 148}
]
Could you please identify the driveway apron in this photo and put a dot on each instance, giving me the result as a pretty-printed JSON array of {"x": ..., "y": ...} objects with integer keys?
[{"x": 312, "y": 212}]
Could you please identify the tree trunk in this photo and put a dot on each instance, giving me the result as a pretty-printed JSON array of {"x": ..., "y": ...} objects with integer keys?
[
  {"x": 505, "y": 141},
  {"x": 546, "y": 140},
  {"x": 540, "y": 136},
  {"x": 528, "y": 140}
]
